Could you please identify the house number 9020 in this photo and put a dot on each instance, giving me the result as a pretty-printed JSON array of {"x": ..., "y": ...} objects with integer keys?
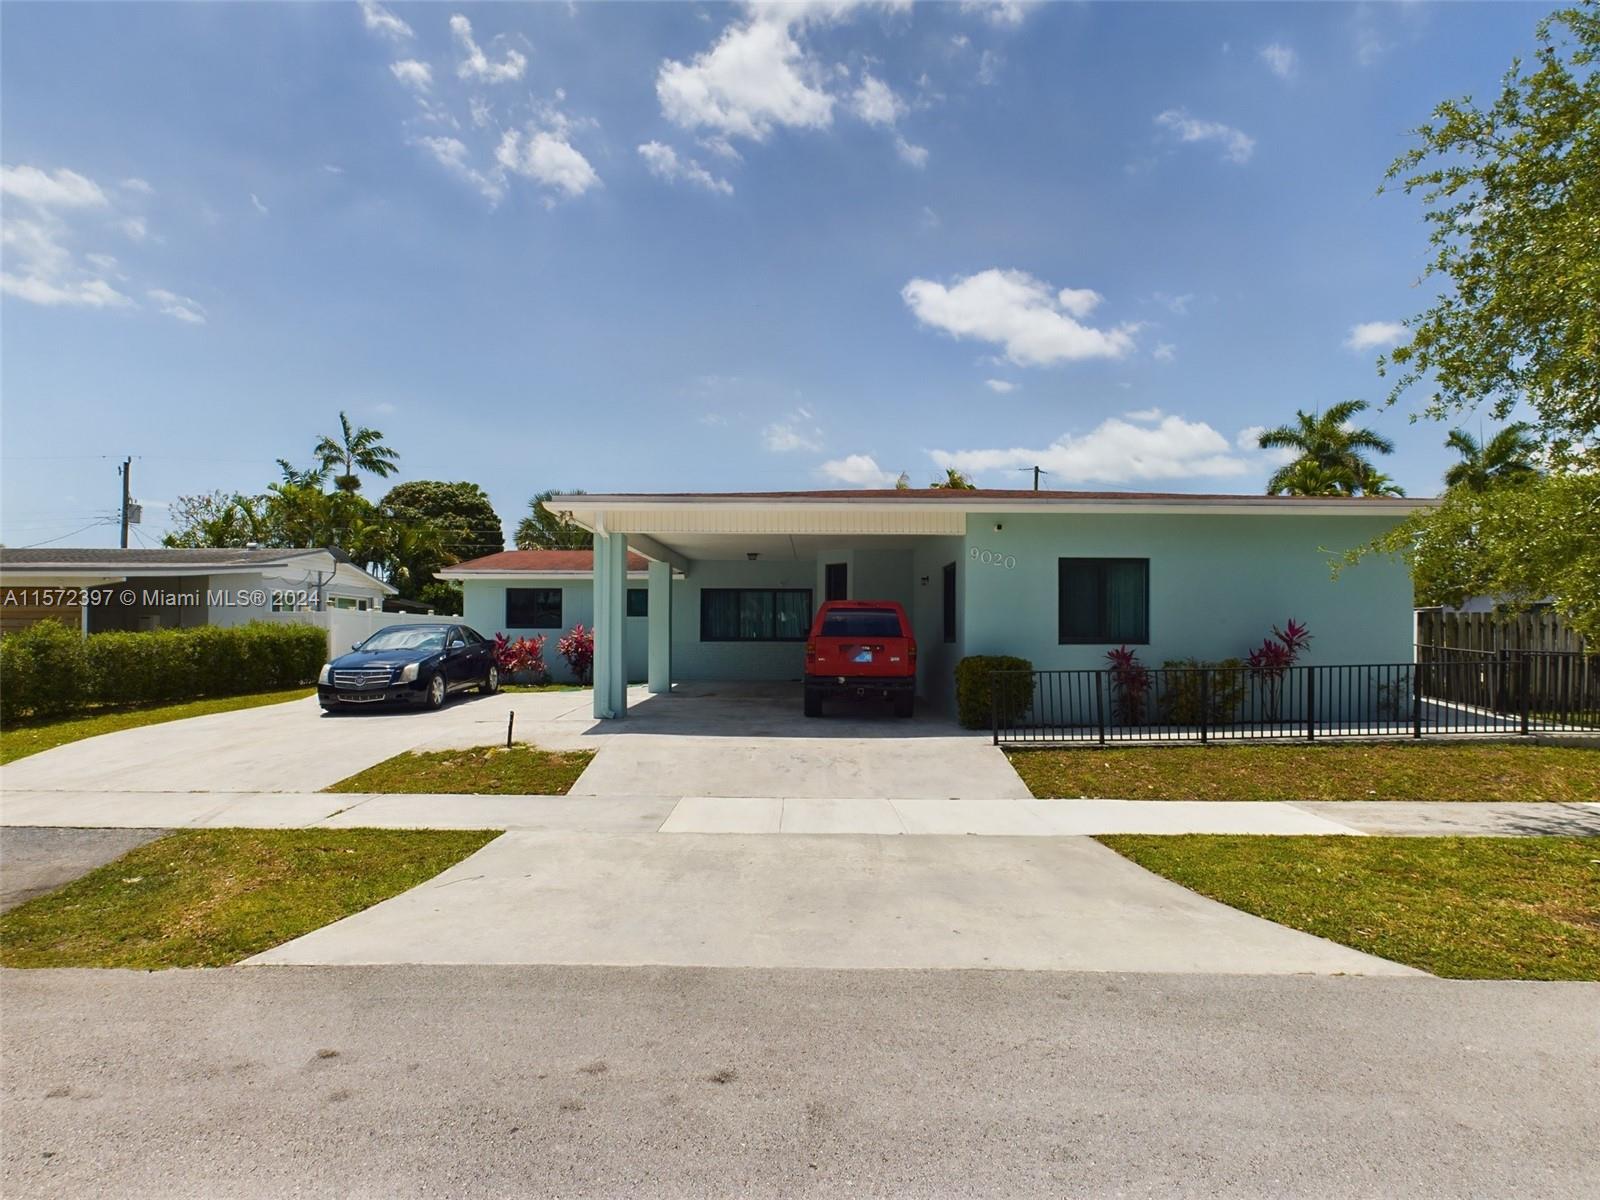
[{"x": 990, "y": 558}]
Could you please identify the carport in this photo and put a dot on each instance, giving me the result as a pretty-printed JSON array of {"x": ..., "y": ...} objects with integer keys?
[{"x": 768, "y": 557}]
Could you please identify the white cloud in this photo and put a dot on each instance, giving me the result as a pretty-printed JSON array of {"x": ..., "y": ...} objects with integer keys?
[
  {"x": 79, "y": 293},
  {"x": 1374, "y": 335},
  {"x": 857, "y": 470},
  {"x": 180, "y": 307},
  {"x": 1164, "y": 352},
  {"x": 547, "y": 158},
  {"x": 1178, "y": 306},
  {"x": 756, "y": 77},
  {"x": 1002, "y": 14},
  {"x": 989, "y": 64},
  {"x": 141, "y": 186},
  {"x": 413, "y": 74},
  {"x": 1237, "y": 146},
  {"x": 1281, "y": 60},
  {"x": 476, "y": 65},
  {"x": 60, "y": 188},
  {"x": 1036, "y": 325},
  {"x": 452, "y": 154},
  {"x": 261, "y": 208},
  {"x": 796, "y": 432},
  {"x": 135, "y": 228},
  {"x": 1144, "y": 414},
  {"x": 665, "y": 163},
  {"x": 875, "y": 103},
  {"x": 911, "y": 155},
  {"x": 1117, "y": 450},
  {"x": 1000, "y": 385},
  {"x": 381, "y": 21},
  {"x": 1249, "y": 439}
]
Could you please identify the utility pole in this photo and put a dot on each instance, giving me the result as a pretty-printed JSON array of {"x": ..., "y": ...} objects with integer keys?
[
  {"x": 127, "y": 466},
  {"x": 1037, "y": 471}
]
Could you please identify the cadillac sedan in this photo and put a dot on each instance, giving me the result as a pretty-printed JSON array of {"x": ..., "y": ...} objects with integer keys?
[{"x": 410, "y": 664}]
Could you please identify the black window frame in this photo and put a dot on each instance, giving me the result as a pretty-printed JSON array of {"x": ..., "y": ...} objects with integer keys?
[
  {"x": 535, "y": 604},
  {"x": 643, "y": 596},
  {"x": 948, "y": 583},
  {"x": 835, "y": 578},
  {"x": 1102, "y": 635},
  {"x": 774, "y": 592}
]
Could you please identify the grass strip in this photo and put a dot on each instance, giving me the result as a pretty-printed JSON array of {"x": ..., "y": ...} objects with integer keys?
[
  {"x": 21, "y": 740},
  {"x": 481, "y": 770},
  {"x": 210, "y": 897},
  {"x": 1385, "y": 771},
  {"x": 1460, "y": 907}
]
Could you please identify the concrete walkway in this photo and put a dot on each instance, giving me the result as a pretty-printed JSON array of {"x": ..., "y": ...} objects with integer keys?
[
  {"x": 846, "y": 901},
  {"x": 783, "y": 815}
]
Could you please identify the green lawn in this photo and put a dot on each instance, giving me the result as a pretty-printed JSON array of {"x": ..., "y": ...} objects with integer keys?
[
  {"x": 1391, "y": 771},
  {"x": 210, "y": 897},
  {"x": 21, "y": 740},
  {"x": 483, "y": 770},
  {"x": 1464, "y": 908},
  {"x": 543, "y": 687}
]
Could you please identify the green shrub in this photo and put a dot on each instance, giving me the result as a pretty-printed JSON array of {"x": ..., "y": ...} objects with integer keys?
[
  {"x": 42, "y": 671},
  {"x": 1225, "y": 690},
  {"x": 49, "y": 670},
  {"x": 974, "y": 675}
]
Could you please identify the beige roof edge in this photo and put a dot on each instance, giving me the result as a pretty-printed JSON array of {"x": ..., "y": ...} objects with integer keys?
[{"x": 1133, "y": 502}]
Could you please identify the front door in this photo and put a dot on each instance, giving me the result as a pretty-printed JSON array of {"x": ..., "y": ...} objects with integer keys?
[{"x": 836, "y": 581}]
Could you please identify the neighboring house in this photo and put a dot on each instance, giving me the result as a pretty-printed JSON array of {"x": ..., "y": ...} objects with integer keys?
[
  {"x": 731, "y": 580},
  {"x": 98, "y": 590},
  {"x": 528, "y": 593}
]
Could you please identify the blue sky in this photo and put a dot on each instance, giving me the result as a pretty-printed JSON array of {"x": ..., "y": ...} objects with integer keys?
[{"x": 690, "y": 247}]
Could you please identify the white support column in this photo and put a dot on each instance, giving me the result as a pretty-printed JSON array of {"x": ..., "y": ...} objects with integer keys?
[
  {"x": 660, "y": 627},
  {"x": 610, "y": 624}
]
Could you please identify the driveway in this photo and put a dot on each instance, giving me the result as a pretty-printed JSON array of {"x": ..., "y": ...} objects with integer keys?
[{"x": 845, "y": 901}]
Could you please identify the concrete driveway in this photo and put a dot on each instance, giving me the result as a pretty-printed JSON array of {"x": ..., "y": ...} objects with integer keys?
[{"x": 845, "y": 901}]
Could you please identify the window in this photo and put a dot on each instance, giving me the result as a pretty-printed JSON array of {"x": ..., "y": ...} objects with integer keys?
[
  {"x": 473, "y": 636},
  {"x": 862, "y": 623},
  {"x": 1105, "y": 600},
  {"x": 836, "y": 581},
  {"x": 950, "y": 602},
  {"x": 755, "y": 614},
  {"x": 533, "y": 608},
  {"x": 638, "y": 602}
]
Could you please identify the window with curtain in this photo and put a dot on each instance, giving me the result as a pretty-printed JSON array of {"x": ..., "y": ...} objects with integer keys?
[
  {"x": 1105, "y": 600},
  {"x": 755, "y": 614},
  {"x": 638, "y": 602}
]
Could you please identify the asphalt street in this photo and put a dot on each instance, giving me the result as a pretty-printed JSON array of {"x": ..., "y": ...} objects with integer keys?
[{"x": 606, "y": 1081}]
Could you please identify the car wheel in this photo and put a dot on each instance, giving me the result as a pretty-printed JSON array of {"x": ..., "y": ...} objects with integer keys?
[
  {"x": 905, "y": 704},
  {"x": 436, "y": 692},
  {"x": 491, "y": 681},
  {"x": 813, "y": 704}
]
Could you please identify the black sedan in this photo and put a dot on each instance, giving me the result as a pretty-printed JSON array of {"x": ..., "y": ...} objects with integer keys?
[{"x": 410, "y": 664}]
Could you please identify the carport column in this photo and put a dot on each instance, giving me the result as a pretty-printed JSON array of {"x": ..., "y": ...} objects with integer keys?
[
  {"x": 610, "y": 625},
  {"x": 660, "y": 626}
]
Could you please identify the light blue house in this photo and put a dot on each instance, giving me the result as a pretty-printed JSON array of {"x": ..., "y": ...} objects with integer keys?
[{"x": 722, "y": 586}]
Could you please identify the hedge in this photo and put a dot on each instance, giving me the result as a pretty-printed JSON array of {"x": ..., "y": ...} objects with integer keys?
[
  {"x": 973, "y": 677},
  {"x": 48, "y": 670}
]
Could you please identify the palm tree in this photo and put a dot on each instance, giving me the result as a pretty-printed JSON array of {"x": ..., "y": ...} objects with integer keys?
[
  {"x": 955, "y": 481},
  {"x": 1328, "y": 442},
  {"x": 355, "y": 450},
  {"x": 1507, "y": 457}
]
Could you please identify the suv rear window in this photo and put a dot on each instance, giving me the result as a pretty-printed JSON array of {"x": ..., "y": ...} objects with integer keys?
[{"x": 861, "y": 622}]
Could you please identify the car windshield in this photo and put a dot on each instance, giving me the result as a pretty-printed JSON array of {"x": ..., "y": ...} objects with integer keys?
[
  {"x": 399, "y": 637},
  {"x": 861, "y": 622}
]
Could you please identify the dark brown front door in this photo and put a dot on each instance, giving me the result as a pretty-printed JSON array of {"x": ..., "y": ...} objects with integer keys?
[{"x": 836, "y": 582}]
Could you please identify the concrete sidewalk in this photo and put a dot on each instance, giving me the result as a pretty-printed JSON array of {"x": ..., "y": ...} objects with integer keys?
[{"x": 785, "y": 815}]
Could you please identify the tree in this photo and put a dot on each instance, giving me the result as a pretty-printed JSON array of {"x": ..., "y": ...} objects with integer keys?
[
  {"x": 355, "y": 449},
  {"x": 543, "y": 529},
  {"x": 902, "y": 482},
  {"x": 1511, "y": 193},
  {"x": 1507, "y": 456},
  {"x": 462, "y": 510},
  {"x": 216, "y": 520},
  {"x": 1331, "y": 459},
  {"x": 954, "y": 480}
]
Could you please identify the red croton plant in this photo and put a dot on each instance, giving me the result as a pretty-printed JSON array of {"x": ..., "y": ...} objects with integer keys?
[
  {"x": 1277, "y": 653},
  {"x": 1130, "y": 685},
  {"x": 525, "y": 656},
  {"x": 578, "y": 649}
]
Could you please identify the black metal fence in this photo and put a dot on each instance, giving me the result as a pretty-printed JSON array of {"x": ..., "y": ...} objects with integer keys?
[{"x": 1504, "y": 692}]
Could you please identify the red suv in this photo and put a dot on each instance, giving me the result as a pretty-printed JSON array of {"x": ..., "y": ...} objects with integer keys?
[{"x": 861, "y": 648}]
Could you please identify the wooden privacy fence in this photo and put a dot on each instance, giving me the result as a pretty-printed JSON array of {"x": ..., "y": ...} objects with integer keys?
[{"x": 1498, "y": 659}]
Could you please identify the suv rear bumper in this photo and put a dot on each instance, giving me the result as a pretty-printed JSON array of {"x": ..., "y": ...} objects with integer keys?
[{"x": 860, "y": 685}]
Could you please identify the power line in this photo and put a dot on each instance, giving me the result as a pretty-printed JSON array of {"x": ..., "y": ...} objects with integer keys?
[{"x": 65, "y": 536}]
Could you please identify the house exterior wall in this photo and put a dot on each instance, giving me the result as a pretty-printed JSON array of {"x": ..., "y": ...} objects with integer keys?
[
  {"x": 693, "y": 659},
  {"x": 483, "y": 607},
  {"x": 936, "y": 658},
  {"x": 1217, "y": 585}
]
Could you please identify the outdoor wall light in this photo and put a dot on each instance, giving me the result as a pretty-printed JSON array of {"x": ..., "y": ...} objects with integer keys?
[
  {"x": 998, "y": 527},
  {"x": 924, "y": 581},
  {"x": 753, "y": 555}
]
